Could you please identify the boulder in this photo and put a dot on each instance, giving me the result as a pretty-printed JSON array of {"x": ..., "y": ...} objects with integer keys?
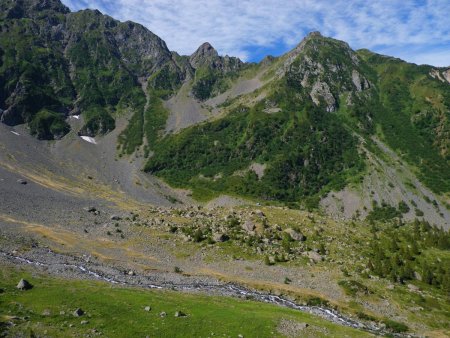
[
  {"x": 417, "y": 276},
  {"x": 218, "y": 237},
  {"x": 314, "y": 256},
  {"x": 115, "y": 218},
  {"x": 180, "y": 314},
  {"x": 22, "y": 181},
  {"x": 24, "y": 285},
  {"x": 162, "y": 314},
  {"x": 413, "y": 288},
  {"x": 147, "y": 308},
  {"x": 249, "y": 226},
  {"x": 259, "y": 213},
  {"x": 78, "y": 312},
  {"x": 295, "y": 235}
]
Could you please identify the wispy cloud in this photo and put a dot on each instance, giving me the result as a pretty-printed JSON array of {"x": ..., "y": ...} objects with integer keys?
[{"x": 418, "y": 31}]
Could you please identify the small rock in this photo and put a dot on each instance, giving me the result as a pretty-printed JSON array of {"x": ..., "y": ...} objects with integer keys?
[
  {"x": 115, "y": 218},
  {"x": 295, "y": 235},
  {"x": 90, "y": 209},
  {"x": 131, "y": 273},
  {"x": 46, "y": 312},
  {"x": 162, "y": 314},
  {"x": 147, "y": 308},
  {"x": 78, "y": 312},
  {"x": 314, "y": 256},
  {"x": 22, "y": 181},
  {"x": 417, "y": 276},
  {"x": 220, "y": 237},
  {"x": 249, "y": 226},
  {"x": 180, "y": 314},
  {"x": 24, "y": 285},
  {"x": 259, "y": 213},
  {"x": 413, "y": 288},
  {"x": 62, "y": 313}
]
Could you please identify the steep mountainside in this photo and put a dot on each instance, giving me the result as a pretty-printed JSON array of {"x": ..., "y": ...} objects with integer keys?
[
  {"x": 323, "y": 125},
  {"x": 55, "y": 63}
]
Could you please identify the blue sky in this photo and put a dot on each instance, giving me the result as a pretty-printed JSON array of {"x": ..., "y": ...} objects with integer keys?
[{"x": 416, "y": 31}]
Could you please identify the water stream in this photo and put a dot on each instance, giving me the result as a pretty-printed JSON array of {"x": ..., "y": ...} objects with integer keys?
[{"x": 229, "y": 289}]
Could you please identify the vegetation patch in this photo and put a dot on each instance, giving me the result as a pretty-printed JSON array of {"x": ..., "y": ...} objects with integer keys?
[
  {"x": 48, "y": 125},
  {"x": 353, "y": 287}
]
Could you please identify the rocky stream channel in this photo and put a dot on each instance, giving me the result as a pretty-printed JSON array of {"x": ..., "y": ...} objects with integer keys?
[{"x": 89, "y": 270}]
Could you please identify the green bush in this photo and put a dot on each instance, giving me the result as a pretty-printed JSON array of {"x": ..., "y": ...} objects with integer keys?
[
  {"x": 48, "y": 125},
  {"x": 97, "y": 121},
  {"x": 395, "y": 326}
]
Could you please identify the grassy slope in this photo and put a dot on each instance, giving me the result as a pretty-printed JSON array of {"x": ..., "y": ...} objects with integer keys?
[{"x": 119, "y": 312}]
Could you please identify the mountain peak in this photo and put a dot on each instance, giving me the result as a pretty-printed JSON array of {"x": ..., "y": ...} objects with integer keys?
[
  {"x": 205, "y": 50},
  {"x": 29, "y": 8},
  {"x": 204, "y": 54},
  {"x": 314, "y": 34}
]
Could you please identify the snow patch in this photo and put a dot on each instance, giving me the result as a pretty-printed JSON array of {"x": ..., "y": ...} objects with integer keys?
[
  {"x": 15, "y": 133},
  {"x": 89, "y": 139}
]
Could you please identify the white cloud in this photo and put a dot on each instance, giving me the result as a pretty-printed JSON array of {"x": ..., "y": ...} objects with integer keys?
[{"x": 235, "y": 27}]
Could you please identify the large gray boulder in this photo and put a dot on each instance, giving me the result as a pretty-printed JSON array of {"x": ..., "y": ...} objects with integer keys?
[{"x": 24, "y": 285}]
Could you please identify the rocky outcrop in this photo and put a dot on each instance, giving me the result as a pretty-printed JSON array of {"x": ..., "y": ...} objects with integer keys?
[
  {"x": 321, "y": 92},
  {"x": 324, "y": 68},
  {"x": 441, "y": 75},
  {"x": 359, "y": 81}
]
